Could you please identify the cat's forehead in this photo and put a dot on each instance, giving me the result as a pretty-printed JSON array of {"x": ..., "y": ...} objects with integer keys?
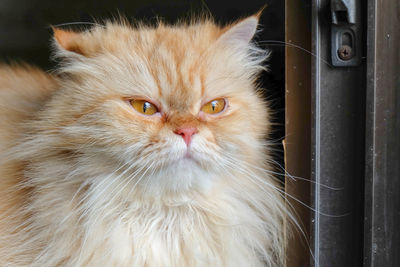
[
  {"x": 171, "y": 65},
  {"x": 177, "y": 65}
]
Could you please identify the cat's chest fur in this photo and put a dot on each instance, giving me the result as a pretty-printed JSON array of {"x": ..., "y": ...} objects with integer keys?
[
  {"x": 170, "y": 236},
  {"x": 214, "y": 229}
]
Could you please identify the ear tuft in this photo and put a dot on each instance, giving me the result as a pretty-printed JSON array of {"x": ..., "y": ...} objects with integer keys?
[
  {"x": 67, "y": 40},
  {"x": 241, "y": 32},
  {"x": 259, "y": 13}
]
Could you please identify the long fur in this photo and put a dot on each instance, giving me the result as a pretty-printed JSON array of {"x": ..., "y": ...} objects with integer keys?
[{"x": 87, "y": 181}]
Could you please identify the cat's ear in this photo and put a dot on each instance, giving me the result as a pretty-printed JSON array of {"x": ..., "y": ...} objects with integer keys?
[
  {"x": 72, "y": 43},
  {"x": 241, "y": 33}
]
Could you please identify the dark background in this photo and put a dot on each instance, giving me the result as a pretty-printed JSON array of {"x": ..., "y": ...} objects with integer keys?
[{"x": 25, "y": 33}]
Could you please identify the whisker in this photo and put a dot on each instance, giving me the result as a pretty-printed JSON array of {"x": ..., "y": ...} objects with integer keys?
[
  {"x": 275, "y": 42},
  {"x": 133, "y": 165},
  {"x": 293, "y": 177},
  {"x": 292, "y": 209},
  {"x": 140, "y": 178},
  {"x": 286, "y": 173},
  {"x": 93, "y": 202},
  {"x": 252, "y": 175},
  {"x": 288, "y": 213},
  {"x": 99, "y": 185},
  {"x": 79, "y": 23}
]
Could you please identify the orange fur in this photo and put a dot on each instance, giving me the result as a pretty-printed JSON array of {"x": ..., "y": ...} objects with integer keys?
[{"x": 85, "y": 180}]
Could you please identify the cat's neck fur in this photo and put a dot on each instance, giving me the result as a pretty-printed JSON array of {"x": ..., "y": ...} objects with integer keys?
[{"x": 222, "y": 226}]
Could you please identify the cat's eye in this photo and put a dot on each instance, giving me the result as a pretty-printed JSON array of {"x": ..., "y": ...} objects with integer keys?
[
  {"x": 144, "y": 107},
  {"x": 215, "y": 106}
]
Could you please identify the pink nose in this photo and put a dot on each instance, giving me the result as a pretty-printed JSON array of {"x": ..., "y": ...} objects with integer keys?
[{"x": 186, "y": 133}]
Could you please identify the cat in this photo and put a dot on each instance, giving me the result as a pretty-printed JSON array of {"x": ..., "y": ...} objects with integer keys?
[{"x": 145, "y": 148}]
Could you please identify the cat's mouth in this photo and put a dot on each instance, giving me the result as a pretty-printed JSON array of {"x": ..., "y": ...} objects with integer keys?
[
  {"x": 193, "y": 156},
  {"x": 187, "y": 157}
]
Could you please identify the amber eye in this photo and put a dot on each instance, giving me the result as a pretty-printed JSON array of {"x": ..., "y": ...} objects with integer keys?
[
  {"x": 215, "y": 106},
  {"x": 144, "y": 107}
]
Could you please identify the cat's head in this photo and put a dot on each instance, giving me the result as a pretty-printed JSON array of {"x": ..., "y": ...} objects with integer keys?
[{"x": 177, "y": 105}]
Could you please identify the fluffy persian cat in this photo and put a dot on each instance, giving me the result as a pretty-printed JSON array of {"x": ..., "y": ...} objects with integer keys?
[{"x": 147, "y": 148}]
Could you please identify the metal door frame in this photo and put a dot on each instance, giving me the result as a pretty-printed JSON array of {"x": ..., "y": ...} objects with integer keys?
[
  {"x": 356, "y": 143},
  {"x": 382, "y": 170},
  {"x": 338, "y": 113}
]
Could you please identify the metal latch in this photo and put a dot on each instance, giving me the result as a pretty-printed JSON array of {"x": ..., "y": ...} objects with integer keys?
[{"x": 346, "y": 33}]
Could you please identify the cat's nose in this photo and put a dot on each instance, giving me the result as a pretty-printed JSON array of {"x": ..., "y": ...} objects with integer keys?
[{"x": 186, "y": 133}]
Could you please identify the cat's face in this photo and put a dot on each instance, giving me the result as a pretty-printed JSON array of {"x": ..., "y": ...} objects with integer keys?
[{"x": 177, "y": 105}]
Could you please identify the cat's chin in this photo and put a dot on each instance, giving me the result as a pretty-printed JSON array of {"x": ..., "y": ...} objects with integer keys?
[
  {"x": 186, "y": 163},
  {"x": 189, "y": 171},
  {"x": 187, "y": 157},
  {"x": 192, "y": 161}
]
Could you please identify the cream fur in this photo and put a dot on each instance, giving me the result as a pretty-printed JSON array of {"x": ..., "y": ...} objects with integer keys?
[{"x": 87, "y": 181}]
